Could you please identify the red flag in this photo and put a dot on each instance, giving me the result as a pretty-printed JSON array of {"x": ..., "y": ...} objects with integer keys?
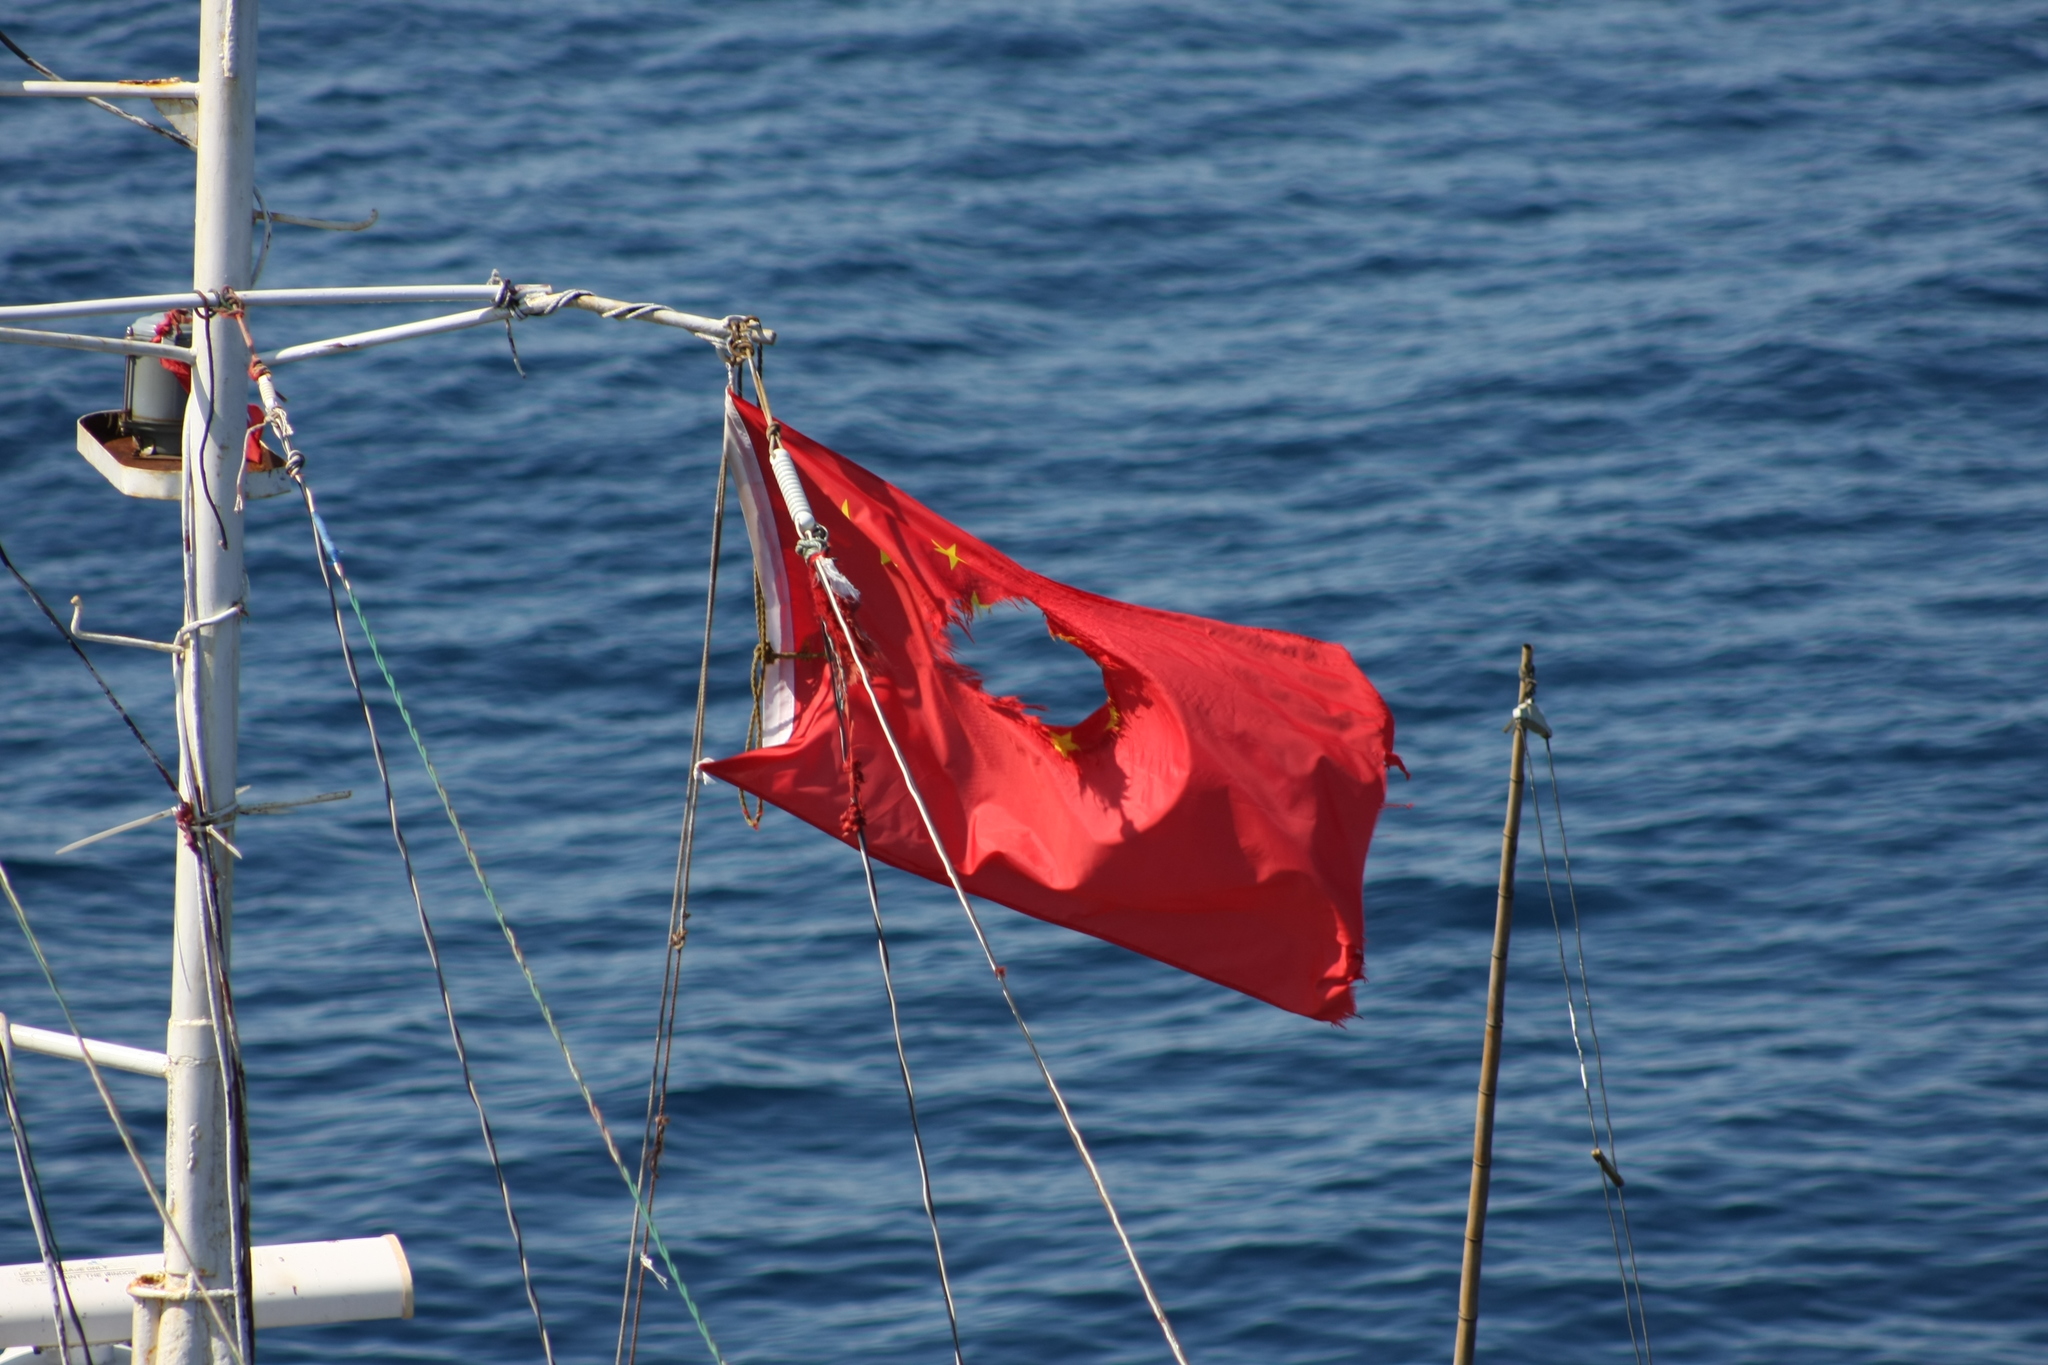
[{"x": 1213, "y": 814}]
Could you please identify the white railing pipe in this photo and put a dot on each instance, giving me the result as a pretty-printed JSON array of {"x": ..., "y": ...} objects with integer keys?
[
  {"x": 375, "y": 293},
  {"x": 115, "y": 1056},
  {"x": 384, "y": 336},
  {"x": 104, "y": 90},
  {"x": 92, "y": 308},
  {"x": 160, "y": 303},
  {"x": 72, "y": 341},
  {"x": 300, "y": 1284}
]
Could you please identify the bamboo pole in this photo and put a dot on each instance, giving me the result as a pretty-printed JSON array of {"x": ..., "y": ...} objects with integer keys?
[{"x": 1496, "y": 1008}]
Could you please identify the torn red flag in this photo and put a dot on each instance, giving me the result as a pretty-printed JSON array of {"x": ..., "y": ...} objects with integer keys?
[{"x": 1214, "y": 813}]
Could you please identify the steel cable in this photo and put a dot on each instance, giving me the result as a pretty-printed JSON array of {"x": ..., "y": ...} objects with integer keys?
[
  {"x": 325, "y": 553},
  {"x": 654, "y": 1133},
  {"x": 156, "y": 1199},
  {"x": 62, "y": 1309},
  {"x": 1612, "y": 1194},
  {"x": 1001, "y": 975},
  {"x": 858, "y": 820},
  {"x": 511, "y": 938}
]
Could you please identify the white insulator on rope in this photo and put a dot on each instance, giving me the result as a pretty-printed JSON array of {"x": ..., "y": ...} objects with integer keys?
[
  {"x": 810, "y": 536},
  {"x": 793, "y": 495}
]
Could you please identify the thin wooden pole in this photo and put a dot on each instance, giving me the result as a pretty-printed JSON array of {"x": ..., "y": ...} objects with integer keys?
[{"x": 1496, "y": 1008}]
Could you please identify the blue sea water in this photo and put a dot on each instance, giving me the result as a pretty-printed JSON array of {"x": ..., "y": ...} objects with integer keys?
[{"x": 1700, "y": 345}]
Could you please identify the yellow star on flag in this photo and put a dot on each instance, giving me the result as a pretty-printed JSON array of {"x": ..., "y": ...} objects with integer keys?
[
  {"x": 976, "y": 605},
  {"x": 1063, "y": 742},
  {"x": 846, "y": 509},
  {"x": 885, "y": 558},
  {"x": 951, "y": 552}
]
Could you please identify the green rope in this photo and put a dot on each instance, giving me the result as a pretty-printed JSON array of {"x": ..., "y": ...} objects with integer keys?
[{"x": 518, "y": 953}]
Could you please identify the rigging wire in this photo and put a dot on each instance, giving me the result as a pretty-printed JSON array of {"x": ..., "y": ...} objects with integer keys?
[
  {"x": 156, "y": 1199},
  {"x": 1001, "y": 974},
  {"x": 195, "y": 824},
  {"x": 106, "y": 690},
  {"x": 1612, "y": 1193},
  {"x": 325, "y": 554},
  {"x": 654, "y": 1133},
  {"x": 332, "y": 572},
  {"x": 97, "y": 103},
  {"x": 924, "y": 1172},
  {"x": 855, "y": 822},
  {"x": 819, "y": 565},
  {"x": 511, "y": 938},
  {"x": 62, "y": 1309}
]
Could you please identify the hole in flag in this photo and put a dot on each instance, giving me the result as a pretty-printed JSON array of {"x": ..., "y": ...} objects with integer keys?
[{"x": 1014, "y": 653}]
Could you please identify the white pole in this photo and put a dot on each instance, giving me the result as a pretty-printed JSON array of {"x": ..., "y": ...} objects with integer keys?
[
  {"x": 384, "y": 336},
  {"x": 157, "y": 303},
  {"x": 101, "y": 90},
  {"x": 113, "y": 1056},
  {"x": 197, "y": 1158}
]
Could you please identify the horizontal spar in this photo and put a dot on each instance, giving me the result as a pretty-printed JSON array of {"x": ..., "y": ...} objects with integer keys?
[
  {"x": 104, "y": 90},
  {"x": 384, "y": 336},
  {"x": 91, "y": 308},
  {"x": 300, "y": 1284},
  {"x": 72, "y": 341},
  {"x": 374, "y": 293},
  {"x": 160, "y": 303},
  {"x": 712, "y": 329},
  {"x": 114, "y": 1056}
]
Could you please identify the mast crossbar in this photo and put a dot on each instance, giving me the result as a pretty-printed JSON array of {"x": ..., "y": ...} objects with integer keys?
[
  {"x": 73, "y": 341},
  {"x": 99, "y": 90},
  {"x": 114, "y": 1056}
]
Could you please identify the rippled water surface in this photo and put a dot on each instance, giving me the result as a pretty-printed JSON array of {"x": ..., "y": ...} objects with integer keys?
[{"x": 1700, "y": 345}]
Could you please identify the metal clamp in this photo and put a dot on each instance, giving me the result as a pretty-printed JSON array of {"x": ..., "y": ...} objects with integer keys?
[
  {"x": 1529, "y": 715},
  {"x": 152, "y": 1286}
]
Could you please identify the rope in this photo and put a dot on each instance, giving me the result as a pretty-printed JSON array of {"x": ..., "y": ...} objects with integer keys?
[
  {"x": 512, "y": 939},
  {"x": 924, "y": 1172},
  {"x": 765, "y": 655},
  {"x": 325, "y": 554},
  {"x": 855, "y": 823},
  {"x": 63, "y": 1310},
  {"x": 814, "y": 543},
  {"x": 653, "y": 1136},
  {"x": 99, "y": 1083},
  {"x": 195, "y": 822},
  {"x": 114, "y": 109},
  {"x": 1612, "y": 1193},
  {"x": 328, "y": 556},
  {"x": 1002, "y": 982}
]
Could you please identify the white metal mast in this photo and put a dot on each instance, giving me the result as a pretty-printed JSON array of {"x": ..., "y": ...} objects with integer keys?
[{"x": 197, "y": 1158}]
